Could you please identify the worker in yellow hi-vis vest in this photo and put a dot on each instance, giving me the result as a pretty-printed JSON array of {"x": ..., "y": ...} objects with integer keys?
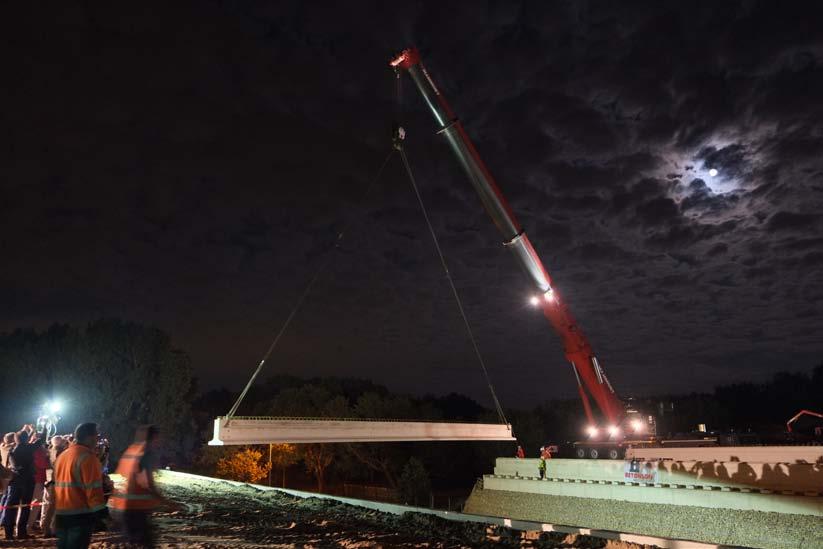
[{"x": 133, "y": 502}]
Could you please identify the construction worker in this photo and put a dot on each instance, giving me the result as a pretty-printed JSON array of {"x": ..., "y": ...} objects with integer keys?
[
  {"x": 78, "y": 489},
  {"x": 541, "y": 467},
  {"x": 520, "y": 453},
  {"x": 132, "y": 503}
]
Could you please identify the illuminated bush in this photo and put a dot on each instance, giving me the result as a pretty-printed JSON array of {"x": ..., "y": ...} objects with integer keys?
[{"x": 245, "y": 466}]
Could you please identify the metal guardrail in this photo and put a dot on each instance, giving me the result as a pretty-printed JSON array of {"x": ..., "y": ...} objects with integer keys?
[{"x": 671, "y": 485}]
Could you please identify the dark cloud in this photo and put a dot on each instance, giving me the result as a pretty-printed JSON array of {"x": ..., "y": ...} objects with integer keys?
[
  {"x": 660, "y": 211},
  {"x": 718, "y": 249},
  {"x": 600, "y": 252},
  {"x": 803, "y": 244},
  {"x": 791, "y": 221}
]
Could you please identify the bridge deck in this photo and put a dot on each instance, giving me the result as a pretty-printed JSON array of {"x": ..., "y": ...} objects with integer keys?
[{"x": 265, "y": 430}]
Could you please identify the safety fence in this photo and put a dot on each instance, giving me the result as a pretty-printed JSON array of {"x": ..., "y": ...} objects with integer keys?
[{"x": 23, "y": 505}]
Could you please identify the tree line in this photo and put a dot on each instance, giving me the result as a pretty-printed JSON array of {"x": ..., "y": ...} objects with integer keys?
[{"x": 122, "y": 374}]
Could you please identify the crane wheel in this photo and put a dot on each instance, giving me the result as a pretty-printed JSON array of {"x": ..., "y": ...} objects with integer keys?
[
  {"x": 594, "y": 453},
  {"x": 580, "y": 453},
  {"x": 615, "y": 453}
]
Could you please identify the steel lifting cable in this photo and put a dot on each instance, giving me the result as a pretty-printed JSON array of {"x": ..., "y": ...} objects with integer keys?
[
  {"x": 306, "y": 291},
  {"x": 499, "y": 408}
]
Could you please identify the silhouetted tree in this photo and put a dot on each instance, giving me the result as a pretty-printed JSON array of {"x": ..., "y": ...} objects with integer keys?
[
  {"x": 283, "y": 456},
  {"x": 317, "y": 458},
  {"x": 310, "y": 401},
  {"x": 414, "y": 483},
  {"x": 383, "y": 458}
]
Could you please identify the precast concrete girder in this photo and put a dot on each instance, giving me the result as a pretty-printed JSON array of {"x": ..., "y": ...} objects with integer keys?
[{"x": 265, "y": 430}]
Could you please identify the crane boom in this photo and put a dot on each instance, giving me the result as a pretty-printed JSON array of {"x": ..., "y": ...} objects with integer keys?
[{"x": 591, "y": 380}]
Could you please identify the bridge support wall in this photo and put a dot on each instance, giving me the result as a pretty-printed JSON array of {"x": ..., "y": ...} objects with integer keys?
[
  {"x": 728, "y": 527},
  {"x": 781, "y": 477}
]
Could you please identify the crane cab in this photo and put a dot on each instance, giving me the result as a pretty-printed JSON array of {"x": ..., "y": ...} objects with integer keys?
[{"x": 636, "y": 429}]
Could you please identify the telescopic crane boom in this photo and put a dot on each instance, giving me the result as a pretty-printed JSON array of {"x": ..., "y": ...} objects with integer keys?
[{"x": 591, "y": 379}]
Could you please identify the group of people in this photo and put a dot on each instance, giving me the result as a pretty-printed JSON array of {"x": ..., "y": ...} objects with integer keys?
[
  {"x": 60, "y": 487},
  {"x": 545, "y": 455},
  {"x": 27, "y": 495}
]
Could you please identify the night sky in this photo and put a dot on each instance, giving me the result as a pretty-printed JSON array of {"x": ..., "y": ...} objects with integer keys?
[{"x": 190, "y": 166}]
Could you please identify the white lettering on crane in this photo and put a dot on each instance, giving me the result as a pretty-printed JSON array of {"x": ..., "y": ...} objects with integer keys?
[{"x": 429, "y": 78}]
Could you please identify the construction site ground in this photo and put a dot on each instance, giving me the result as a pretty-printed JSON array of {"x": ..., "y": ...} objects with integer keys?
[{"x": 220, "y": 515}]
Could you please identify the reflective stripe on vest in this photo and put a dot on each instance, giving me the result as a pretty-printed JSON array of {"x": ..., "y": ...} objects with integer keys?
[
  {"x": 96, "y": 484},
  {"x": 81, "y": 510},
  {"x": 131, "y": 496}
]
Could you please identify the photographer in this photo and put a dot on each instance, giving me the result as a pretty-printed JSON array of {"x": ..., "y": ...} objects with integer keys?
[
  {"x": 5, "y": 448},
  {"x": 21, "y": 487},
  {"x": 5, "y": 469},
  {"x": 41, "y": 464},
  {"x": 58, "y": 444}
]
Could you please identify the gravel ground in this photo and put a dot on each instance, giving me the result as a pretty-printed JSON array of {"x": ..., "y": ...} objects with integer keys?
[
  {"x": 215, "y": 515},
  {"x": 723, "y": 526}
]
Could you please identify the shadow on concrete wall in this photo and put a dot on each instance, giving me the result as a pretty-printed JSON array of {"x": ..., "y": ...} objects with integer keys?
[{"x": 778, "y": 477}]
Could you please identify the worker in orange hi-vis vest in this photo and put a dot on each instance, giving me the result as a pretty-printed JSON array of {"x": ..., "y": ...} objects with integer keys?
[
  {"x": 133, "y": 501},
  {"x": 78, "y": 490}
]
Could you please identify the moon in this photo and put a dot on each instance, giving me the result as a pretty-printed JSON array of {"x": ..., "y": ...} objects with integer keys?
[{"x": 712, "y": 172}]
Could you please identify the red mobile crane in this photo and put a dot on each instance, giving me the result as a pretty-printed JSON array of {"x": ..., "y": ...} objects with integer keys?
[{"x": 622, "y": 422}]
